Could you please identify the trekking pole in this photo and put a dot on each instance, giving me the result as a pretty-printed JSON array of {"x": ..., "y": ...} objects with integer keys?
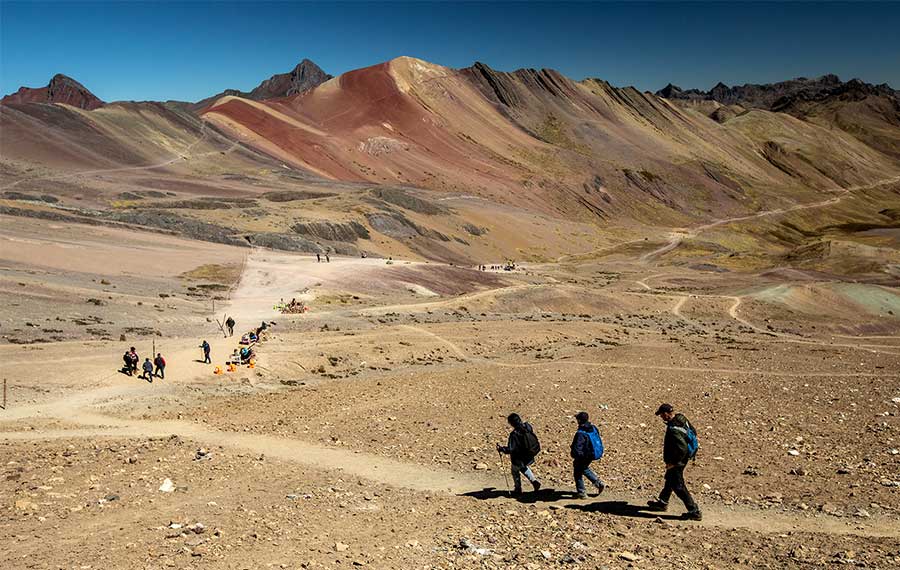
[{"x": 505, "y": 477}]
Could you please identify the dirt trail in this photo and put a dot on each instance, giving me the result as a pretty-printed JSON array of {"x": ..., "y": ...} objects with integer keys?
[
  {"x": 678, "y": 235},
  {"x": 418, "y": 477},
  {"x": 680, "y": 300}
]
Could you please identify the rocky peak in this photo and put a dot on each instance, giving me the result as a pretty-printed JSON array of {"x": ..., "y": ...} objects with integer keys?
[
  {"x": 303, "y": 77},
  {"x": 61, "y": 89}
]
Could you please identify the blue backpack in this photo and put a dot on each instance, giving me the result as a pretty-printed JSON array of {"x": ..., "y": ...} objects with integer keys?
[
  {"x": 690, "y": 435},
  {"x": 596, "y": 443}
]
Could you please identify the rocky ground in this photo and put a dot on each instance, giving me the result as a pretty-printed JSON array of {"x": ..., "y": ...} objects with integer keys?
[{"x": 365, "y": 435}]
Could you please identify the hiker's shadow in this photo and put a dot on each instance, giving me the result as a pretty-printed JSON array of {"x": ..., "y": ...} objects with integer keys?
[
  {"x": 542, "y": 496},
  {"x": 622, "y": 509}
]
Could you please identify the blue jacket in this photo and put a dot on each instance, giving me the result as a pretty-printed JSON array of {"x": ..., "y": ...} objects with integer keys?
[{"x": 581, "y": 443}]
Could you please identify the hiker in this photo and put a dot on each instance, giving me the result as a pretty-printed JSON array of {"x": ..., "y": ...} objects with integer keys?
[
  {"x": 229, "y": 324},
  {"x": 318, "y": 258},
  {"x": 586, "y": 447},
  {"x": 327, "y": 258},
  {"x": 160, "y": 363},
  {"x": 680, "y": 445},
  {"x": 133, "y": 359},
  {"x": 127, "y": 359},
  {"x": 206, "y": 348},
  {"x": 148, "y": 370},
  {"x": 522, "y": 446}
]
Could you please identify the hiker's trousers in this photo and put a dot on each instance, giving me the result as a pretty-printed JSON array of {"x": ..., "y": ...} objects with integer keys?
[
  {"x": 521, "y": 467},
  {"x": 582, "y": 469},
  {"x": 675, "y": 484}
]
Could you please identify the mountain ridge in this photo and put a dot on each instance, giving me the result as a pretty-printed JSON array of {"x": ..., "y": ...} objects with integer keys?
[{"x": 60, "y": 89}]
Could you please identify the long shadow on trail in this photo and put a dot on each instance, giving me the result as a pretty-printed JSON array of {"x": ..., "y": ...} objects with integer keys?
[
  {"x": 542, "y": 496},
  {"x": 622, "y": 509}
]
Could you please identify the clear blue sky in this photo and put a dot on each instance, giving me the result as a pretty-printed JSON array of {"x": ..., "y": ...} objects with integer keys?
[{"x": 187, "y": 51}]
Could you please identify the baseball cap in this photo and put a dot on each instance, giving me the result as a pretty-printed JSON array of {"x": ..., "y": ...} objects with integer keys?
[{"x": 665, "y": 409}]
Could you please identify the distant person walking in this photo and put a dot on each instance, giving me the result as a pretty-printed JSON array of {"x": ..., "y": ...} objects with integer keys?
[
  {"x": 522, "y": 446},
  {"x": 229, "y": 324},
  {"x": 148, "y": 370},
  {"x": 206, "y": 348},
  {"x": 160, "y": 363},
  {"x": 586, "y": 448},
  {"x": 318, "y": 258},
  {"x": 327, "y": 258},
  {"x": 679, "y": 446}
]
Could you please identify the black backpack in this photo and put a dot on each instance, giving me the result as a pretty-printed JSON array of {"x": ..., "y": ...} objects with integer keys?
[{"x": 530, "y": 442}]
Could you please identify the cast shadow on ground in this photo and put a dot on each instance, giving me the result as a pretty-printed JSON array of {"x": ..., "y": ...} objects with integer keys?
[
  {"x": 622, "y": 509},
  {"x": 542, "y": 496}
]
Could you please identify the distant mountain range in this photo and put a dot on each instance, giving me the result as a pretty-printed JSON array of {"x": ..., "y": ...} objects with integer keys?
[{"x": 776, "y": 96}]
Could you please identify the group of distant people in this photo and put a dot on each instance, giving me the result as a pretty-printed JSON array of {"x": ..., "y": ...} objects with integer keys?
[
  {"x": 327, "y": 258},
  {"x": 508, "y": 266},
  {"x": 679, "y": 447},
  {"x": 150, "y": 369}
]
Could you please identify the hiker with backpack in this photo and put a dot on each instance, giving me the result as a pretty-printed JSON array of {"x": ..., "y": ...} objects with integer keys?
[
  {"x": 522, "y": 446},
  {"x": 160, "y": 363},
  {"x": 586, "y": 448},
  {"x": 679, "y": 447},
  {"x": 229, "y": 324},
  {"x": 206, "y": 349}
]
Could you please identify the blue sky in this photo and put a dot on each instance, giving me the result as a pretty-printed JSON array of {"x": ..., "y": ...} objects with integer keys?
[{"x": 190, "y": 50}]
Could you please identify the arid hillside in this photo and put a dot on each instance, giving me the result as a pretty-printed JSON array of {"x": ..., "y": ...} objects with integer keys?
[{"x": 408, "y": 158}]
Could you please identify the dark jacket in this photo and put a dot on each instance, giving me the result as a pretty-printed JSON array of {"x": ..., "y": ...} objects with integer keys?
[
  {"x": 675, "y": 445},
  {"x": 160, "y": 362},
  {"x": 581, "y": 443},
  {"x": 515, "y": 444}
]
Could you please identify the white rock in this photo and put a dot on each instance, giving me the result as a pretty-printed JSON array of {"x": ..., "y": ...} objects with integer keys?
[
  {"x": 793, "y": 452},
  {"x": 167, "y": 486}
]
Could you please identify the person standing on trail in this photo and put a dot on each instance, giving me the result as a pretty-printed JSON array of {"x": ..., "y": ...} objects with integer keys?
[
  {"x": 229, "y": 324},
  {"x": 586, "y": 447},
  {"x": 127, "y": 359},
  {"x": 148, "y": 370},
  {"x": 160, "y": 363},
  {"x": 522, "y": 446},
  {"x": 133, "y": 359},
  {"x": 318, "y": 258},
  {"x": 206, "y": 348},
  {"x": 680, "y": 446},
  {"x": 327, "y": 258}
]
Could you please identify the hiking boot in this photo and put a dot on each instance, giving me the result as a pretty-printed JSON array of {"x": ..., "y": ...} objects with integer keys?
[
  {"x": 537, "y": 485},
  {"x": 581, "y": 495},
  {"x": 516, "y": 492},
  {"x": 658, "y": 506},
  {"x": 601, "y": 486},
  {"x": 692, "y": 516}
]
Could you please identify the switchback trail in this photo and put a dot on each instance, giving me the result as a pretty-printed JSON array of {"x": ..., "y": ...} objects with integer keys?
[{"x": 678, "y": 235}]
